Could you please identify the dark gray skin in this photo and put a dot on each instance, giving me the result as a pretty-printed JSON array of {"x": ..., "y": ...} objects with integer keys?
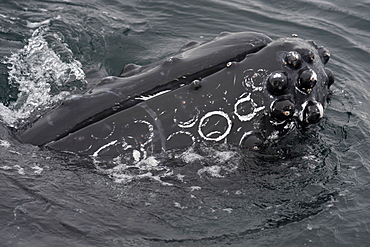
[{"x": 240, "y": 88}]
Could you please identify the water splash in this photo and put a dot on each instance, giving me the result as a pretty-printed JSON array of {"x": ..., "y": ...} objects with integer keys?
[
  {"x": 124, "y": 171},
  {"x": 41, "y": 76},
  {"x": 215, "y": 161},
  {"x": 164, "y": 167}
]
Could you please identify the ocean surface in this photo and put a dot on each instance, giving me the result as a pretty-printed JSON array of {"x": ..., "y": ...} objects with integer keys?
[{"x": 314, "y": 191}]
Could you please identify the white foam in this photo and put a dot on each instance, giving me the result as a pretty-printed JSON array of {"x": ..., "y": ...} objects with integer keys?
[
  {"x": 37, "y": 169},
  {"x": 37, "y": 24},
  {"x": 126, "y": 168},
  {"x": 34, "y": 70},
  {"x": 136, "y": 154},
  {"x": 229, "y": 210},
  {"x": 6, "y": 167},
  {"x": 193, "y": 188},
  {"x": 125, "y": 171},
  {"x": 224, "y": 156},
  {"x": 214, "y": 171},
  {"x": 19, "y": 169},
  {"x": 4, "y": 143},
  {"x": 225, "y": 162},
  {"x": 180, "y": 177},
  {"x": 189, "y": 156},
  {"x": 178, "y": 205}
]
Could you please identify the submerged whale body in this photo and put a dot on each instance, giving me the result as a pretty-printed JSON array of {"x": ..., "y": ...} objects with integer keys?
[{"x": 240, "y": 88}]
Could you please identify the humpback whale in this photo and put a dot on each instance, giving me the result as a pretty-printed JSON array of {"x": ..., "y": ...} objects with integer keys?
[{"x": 241, "y": 88}]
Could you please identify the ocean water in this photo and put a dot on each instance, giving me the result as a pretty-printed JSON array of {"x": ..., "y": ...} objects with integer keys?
[{"x": 314, "y": 190}]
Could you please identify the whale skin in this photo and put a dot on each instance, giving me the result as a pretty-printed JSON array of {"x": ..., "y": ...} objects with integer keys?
[{"x": 242, "y": 88}]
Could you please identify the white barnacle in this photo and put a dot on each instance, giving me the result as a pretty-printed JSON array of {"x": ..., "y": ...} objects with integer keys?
[
  {"x": 150, "y": 129},
  {"x": 245, "y": 135},
  {"x": 190, "y": 123},
  {"x": 277, "y": 75},
  {"x": 96, "y": 153},
  {"x": 204, "y": 120},
  {"x": 254, "y": 107},
  {"x": 313, "y": 76}
]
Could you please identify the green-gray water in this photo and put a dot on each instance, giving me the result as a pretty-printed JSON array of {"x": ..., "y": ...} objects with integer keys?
[{"x": 314, "y": 193}]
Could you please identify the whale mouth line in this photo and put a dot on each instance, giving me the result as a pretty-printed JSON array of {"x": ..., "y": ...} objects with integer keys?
[{"x": 156, "y": 91}]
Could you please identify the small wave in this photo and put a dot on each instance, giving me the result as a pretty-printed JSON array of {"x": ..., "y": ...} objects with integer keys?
[{"x": 41, "y": 77}]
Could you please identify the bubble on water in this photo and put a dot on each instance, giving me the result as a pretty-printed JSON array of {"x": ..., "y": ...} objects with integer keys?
[{"x": 40, "y": 75}]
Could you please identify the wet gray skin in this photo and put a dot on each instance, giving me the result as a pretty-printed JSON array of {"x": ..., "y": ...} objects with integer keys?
[{"x": 240, "y": 88}]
